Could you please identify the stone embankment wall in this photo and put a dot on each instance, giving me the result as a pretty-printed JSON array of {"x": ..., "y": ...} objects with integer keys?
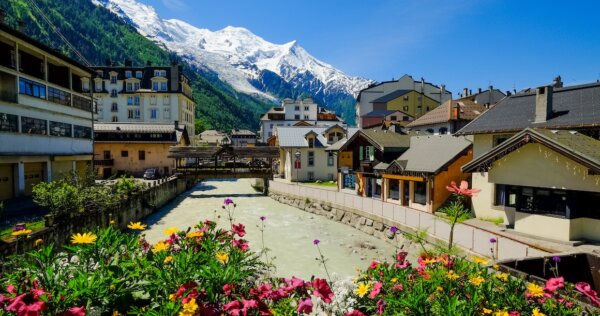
[
  {"x": 374, "y": 217},
  {"x": 130, "y": 209}
]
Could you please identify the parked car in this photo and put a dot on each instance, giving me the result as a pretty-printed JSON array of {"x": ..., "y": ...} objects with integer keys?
[{"x": 151, "y": 174}]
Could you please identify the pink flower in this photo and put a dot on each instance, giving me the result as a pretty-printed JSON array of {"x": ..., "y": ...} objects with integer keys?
[
  {"x": 381, "y": 304},
  {"x": 233, "y": 307},
  {"x": 228, "y": 201},
  {"x": 514, "y": 313},
  {"x": 227, "y": 289},
  {"x": 241, "y": 244},
  {"x": 463, "y": 189},
  {"x": 322, "y": 290},
  {"x": 11, "y": 289},
  {"x": 239, "y": 229},
  {"x": 373, "y": 265},
  {"x": 74, "y": 311},
  {"x": 294, "y": 283},
  {"x": 305, "y": 306},
  {"x": 248, "y": 304},
  {"x": 554, "y": 284},
  {"x": 587, "y": 290},
  {"x": 355, "y": 313},
  {"x": 376, "y": 290},
  {"x": 397, "y": 287}
]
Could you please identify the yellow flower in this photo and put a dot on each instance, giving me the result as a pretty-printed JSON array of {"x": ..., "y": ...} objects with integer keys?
[
  {"x": 195, "y": 234},
  {"x": 38, "y": 242},
  {"x": 136, "y": 226},
  {"x": 160, "y": 246},
  {"x": 116, "y": 313},
  {"x": 429, "y": 261},
  {"x": 480, "y": 260},
  {"x": 172, "y": 297},
  {"x": 112, "y": 222},
  {"x": 189, "y": 308},
  {"x": 21, "y": 232},
  {"x": 168, "y": 259},
  {"x": 363, "y": 289},
  {"x": 502, "y": 276},
  {"x": 496, "y": 266},
  {"x": 112, "y": 287},
  {"x": 487, "y": 311},
  {"x": 394, "y": 280},
  {"x": 172, "y": 230},
  {"x": 476, "y": 280},
  {"x": 222, "y": 257},
  {"x": 501, "y": 313},
  {"x": 535, "y": 290},
  {"x": 536, "y": 312},
  {"x": 440, "y": 289},
  {"x": 85, "y": 238},
  {"x": 451, "y": 275}
]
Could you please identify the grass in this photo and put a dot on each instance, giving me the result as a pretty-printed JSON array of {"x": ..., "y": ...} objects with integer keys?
[
  {"x": 323, "y": 184},
  {"x": 34, "y": 226},
  {"x": 495, "y": 220}
]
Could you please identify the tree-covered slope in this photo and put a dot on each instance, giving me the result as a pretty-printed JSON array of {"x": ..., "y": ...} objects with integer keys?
[{"x": 100, "y": 35}]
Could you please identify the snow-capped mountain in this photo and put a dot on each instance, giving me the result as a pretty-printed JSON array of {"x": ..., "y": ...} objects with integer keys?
[{"x": 241, "y": 58}]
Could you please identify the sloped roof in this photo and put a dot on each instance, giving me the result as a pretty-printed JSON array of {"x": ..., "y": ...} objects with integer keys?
[
  {"x": 337, "y": 145},
  {"x": 430, "y": 154},
  {"x": 295, "y": 136},
  {"x": 236, "y": 132},
  {"x": 574, "y": 145},
  {"x": 391, "y": 96},
  {"x": 469, "y": 110},
  {"x": 573, "y": 107},
  {"x": 382, "y": 113},
  {"x": 383, "y": 140}
]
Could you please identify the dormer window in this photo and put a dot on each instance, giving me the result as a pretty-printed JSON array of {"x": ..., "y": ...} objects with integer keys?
[
  {"x": 138, "y": 74},
  {"x": 311, "y": 142},
  {"x": 128, "y": 74}
]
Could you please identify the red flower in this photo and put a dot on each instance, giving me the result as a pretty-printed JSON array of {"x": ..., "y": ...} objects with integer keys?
[
  {"x": 373, "y": 265},
  {"x": 239, "y": 229},
  {"x": 355, "y": 313},
  {"x": 397, "y": 287},
  {"x": 463, "y": 189},
  {"x": 305, "y": 306},
  {"x": 227, "y": 289},
  {"x": 376, "y": 290},
  {"x": 554, "y": 284},
  {"x": 514, "y": 313},
  {"x": 322, "y": 290},
  {"x": 294, "y": 283},
  {"x": 74, "y": 311},
  {"x": 241, "y": 244},
  {"x": 381, "y": 307},
  {"x": 11, "y": 289},
  {"x": 587, "y": 290},
  {"x": 233, "y": 308}
]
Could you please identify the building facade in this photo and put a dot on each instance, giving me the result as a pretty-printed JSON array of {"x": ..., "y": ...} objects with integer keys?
[
  {"x": 364, "y": 101},
  {"x": 448, "y": 118},
  {"x": 242, "y": 138},
  {"x": 148, "y": 94},
  {"x": 131, "y": 148},
  {"x": 46, "y": 114},
  {"x": 293, "y": 113}
]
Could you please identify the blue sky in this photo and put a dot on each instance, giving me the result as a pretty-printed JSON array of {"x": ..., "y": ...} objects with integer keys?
[{"x": 508, "y": 44}]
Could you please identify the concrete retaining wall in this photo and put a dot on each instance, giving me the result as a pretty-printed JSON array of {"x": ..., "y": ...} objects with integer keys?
[{"x": 375, "y": 217}]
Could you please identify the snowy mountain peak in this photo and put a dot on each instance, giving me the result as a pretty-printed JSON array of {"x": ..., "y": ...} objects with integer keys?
[{"x": 237, "y": 55}]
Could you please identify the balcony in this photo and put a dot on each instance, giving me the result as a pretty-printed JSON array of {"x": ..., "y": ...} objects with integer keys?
[{"x": 104, "y": 162}]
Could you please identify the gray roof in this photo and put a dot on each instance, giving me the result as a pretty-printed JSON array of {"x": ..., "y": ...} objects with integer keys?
[
  {"x": 381, "y": 113},
  {"x": 573, "y": 107},
  {"x": 391, "y": 96},
  {"x": 430, "y": 154},
  {"x": 383, "y": 140},
  {"x": 235, "y": 132},
  {"x": 295, "y": 136},
  {"x": 337, "y": 145},
  {"x": 572, "y": 144},
  {"x": 136, "y": 127}
]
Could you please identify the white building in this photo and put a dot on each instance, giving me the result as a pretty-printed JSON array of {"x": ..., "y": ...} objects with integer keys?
[
  {"x": 149, "y": 94},
  {"x": 304, "y": 154},
  {"x": 45, "y": 114},
  {"x": 366, "y": 96},
  {"x": 296, "y": 113}
]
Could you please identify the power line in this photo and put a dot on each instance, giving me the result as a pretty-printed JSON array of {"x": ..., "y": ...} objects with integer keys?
[{"x": 60, "y": 35}]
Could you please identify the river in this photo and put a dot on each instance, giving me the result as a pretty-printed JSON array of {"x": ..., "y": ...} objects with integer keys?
[{"x": 289, "y": 232}]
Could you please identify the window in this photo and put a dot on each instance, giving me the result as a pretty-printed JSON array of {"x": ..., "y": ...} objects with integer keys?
[
  {"x": 113, "y": 79},
  {"x": 505, "y": 195},
  {"x": 311, "y": 158},
  {"x": 405, "y": 108},
  {"x": 306, "y": 108},
  {"x": 499, "y": 139},
  {"x": 330, "y": 159},
  {"x": 156, "y": 73},
  {"x": 167, "y": 113},
  {"x": 124, "y": 153},
  {"x": 429, "y": 130},
  {"x": 297, "y": 116},
  {"x": 153, "y": 99},
  {"x": 59, "y": 96},
  {"x": 33, "y": 126},
  {"x": 128, "y": 74},
  {"x": 330, "y": 138},
  {"x": 420, "y": 193},
  {"x": 130, "y": 100},
  {"x": 129, "y": 86},
  {"x": 32, "y": 88},
  {"x": 297, "y": 108},
  {"x": 311, "y": 142},
  {"x": 136, "y": 114},
  {"x": 366, "y": 153},
  {"x": 427, "y": 108},
  {"x": 405, "y": 98},
  {"x": 9, "y": 123},
  {"x": 349, "y": 181},
  {"x": 130, "y": 114},
  {"x": 136, "y": 86},
  {"x": 311, "y": 176},
  {"x": 166, "y": 100},
  {"x": 393, "y": 118},
  {"x": 153, "y": 113},
  {"x": 114, "y": 107},
  {"x": 155, "y": 86},
  {"x": 106, "y": 154},
  {"x": 98, "y": 86},
  {"x": 138, "y": 74},
  {"x": 306, "y": 117},
  {"x": 163, "y": 86},
  {"x": 60, "y": 129},
  {"x": 142, "y": 155},
  {"x": 405, "y": 118},
  {"x": 136, "y": 100},
  {"x": 113, "y": 93},
  {"x": 115, "y": 119},
  {"x": 394, "y": 189},
  {"x": 443, "y": 130},
  {"x": 82, "y": 132}
]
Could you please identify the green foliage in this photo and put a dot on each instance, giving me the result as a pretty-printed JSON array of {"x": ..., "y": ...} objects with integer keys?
[
  {"x": 495, "y": 220},
  {"x": 126, "y": 186},
  {"x": 59, "y": 197},
  {"x": 100, "y": 35},
  {"x": 456, "y": 212}
]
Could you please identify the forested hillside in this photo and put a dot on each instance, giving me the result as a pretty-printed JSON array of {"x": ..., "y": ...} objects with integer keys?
[{"x": 100, "y": 36}]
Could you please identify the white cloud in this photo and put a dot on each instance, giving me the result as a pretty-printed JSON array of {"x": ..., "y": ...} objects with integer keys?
[{"x": 174, "y": 5}]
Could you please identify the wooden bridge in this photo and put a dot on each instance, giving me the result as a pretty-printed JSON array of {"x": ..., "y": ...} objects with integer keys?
[{"x": 223, "y": 162}]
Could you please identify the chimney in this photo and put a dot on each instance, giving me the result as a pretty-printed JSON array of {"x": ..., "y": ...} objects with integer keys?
[
  {"x": 21, "y": 26},
  {"x": 478, "y": 90},
  {"x": 2, "y": 16},
  {"x": 422, "y": 85},
  {"x": 557, "y": 83},
  {"x": 543, "y": 104},
  {"x": 466, "y": 92},
  {"x": 508, "y": 93}
]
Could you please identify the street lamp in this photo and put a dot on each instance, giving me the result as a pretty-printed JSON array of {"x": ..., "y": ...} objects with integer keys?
[{"x": 296, "y": 164}]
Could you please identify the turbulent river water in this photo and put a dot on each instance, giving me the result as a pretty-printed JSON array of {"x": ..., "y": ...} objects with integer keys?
[{"x": 289, "y": 232}]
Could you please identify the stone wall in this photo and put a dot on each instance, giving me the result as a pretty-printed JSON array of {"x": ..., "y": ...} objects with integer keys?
[{"x": 132, "y": 209}]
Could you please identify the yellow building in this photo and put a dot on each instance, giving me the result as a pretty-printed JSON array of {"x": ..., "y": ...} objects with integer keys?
[
  {"x": 45, "y": 114},
  {"x": 410, "y": 102},
  {"x": 126, "y": 148}
]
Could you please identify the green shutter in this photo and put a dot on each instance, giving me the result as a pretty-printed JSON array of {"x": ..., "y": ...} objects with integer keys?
[{"x": 360, "y": 153}]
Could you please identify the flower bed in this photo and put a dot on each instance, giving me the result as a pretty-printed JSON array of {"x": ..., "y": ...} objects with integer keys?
[{"x": 206, "y": 270}]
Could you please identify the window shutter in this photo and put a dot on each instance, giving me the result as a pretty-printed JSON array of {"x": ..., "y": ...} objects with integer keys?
[{"x": 360, "y": 153}]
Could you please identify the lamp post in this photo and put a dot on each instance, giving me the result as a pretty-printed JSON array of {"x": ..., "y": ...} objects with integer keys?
[{"x": 297, "y": 155}]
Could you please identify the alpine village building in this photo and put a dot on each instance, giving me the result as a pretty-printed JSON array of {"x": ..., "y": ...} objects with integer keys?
[{"x": 46, "y": 114}]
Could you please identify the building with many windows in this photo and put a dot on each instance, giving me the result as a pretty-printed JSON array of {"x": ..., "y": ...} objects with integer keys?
[
  {"x": 46, "y": 114},
  {"x": 149, "y": 94},
  {"x": 296, "y": 113}
]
